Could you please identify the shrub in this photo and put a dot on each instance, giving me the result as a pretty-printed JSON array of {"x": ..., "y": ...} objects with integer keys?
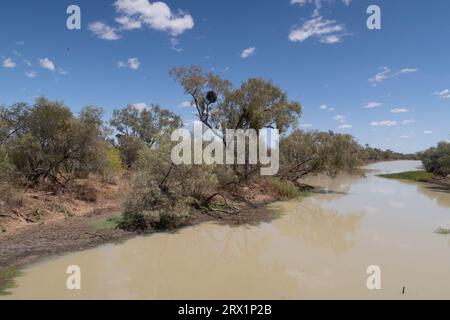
[
  {"x": 113, "y": 164},
  {"x": 437, "y": 159},
  {"x": 285, "y": 189},
  {"x": 163, "y": 193}
]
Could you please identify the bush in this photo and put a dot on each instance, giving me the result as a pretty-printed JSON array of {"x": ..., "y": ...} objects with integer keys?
[
  {"x": 437, "y": 159},
  {"x": 285, "y": 189},
  {"x": 113, "y": 164},
  {"x": 6, "y": 167},
  {"x": 163, "y": 193},
  {"x": 149, "y": 207}
]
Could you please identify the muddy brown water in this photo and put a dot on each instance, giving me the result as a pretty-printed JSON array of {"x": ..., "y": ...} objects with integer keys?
[{"x": 319, "y": 247}]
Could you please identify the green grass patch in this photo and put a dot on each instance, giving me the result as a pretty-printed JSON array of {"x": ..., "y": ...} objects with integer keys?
[
  {"x": 420, "y": 176},
  {"x": 443, "y": 231},
  {"x": 286, "y": 190},
  {"x": 7, "y": 276},
  {"x": 105, "y": 224}
]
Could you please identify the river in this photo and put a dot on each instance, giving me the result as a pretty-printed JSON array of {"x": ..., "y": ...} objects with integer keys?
[{"x": 319, "y": 248}]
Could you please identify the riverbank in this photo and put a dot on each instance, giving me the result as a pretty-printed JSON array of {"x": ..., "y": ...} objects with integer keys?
[
  {"x": 419, "y": 176},
  {"x": 92, "y": 224}
]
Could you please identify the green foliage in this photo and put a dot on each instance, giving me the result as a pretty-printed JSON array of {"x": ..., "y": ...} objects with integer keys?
[
  {"x": 285, "y": 189},
  {"x": 7, "y": 276},
  {"x": 103, "y": 224},
  {"x": 443, "y": 231},
  {"x": 163, "y": 193},
  {"x": 48, "y": 144},
  {"x": 6, "y": 167},
  {"x": 113, "y": 163},
  {"x": 369, "y": 154},
  {"x": 139, "y": 128},
  {"x": 437, "y": 159},
  {"x": 303, "y": 153},
  {"x": 256, "y": 104},
  {"x": 420, "y": 176}
]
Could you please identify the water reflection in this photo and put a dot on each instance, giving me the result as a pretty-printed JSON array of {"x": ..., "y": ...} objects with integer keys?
[{"x": 319, "y": 227}]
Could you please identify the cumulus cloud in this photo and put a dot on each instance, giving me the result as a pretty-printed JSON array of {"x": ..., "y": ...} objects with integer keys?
[
  {"x": 372, "y": 104},
  {"x": 326, "y": 31},
  {"x": 103, "y": 31},
  {"x": 9, "y": 63},
  {"x": 408, "y": 121},
  {"x": 340, "y": 118},
  {"x": 31, "y": 74},
  {"x": 384, "y": 123},
  {"x": 47, "y": 64},
  {"x": 185, "y": 104},
  {"x": 428, "y": 132},
  {"x": 248, "y": 52},
  {"x": 399, "y": 110},
  {"x": 157, "y": 15},
  {"x": 345, "y": 126},
  {"x": 444, "y": 94},
  {"x": 305, "y": 125},
  {"x": 132, "y": 63},
  {"x": 386, "y": 73},
  {"x": 325, "y": 107}
]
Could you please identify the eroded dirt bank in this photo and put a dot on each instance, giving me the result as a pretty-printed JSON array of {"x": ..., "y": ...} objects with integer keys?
[{"x": 86, "y": 224}]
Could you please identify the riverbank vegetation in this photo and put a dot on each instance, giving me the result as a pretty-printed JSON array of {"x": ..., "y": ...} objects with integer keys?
[
  {"x": 48, "y": 152},
  {"x": 443, "y": 231},
  {"x": 435, "y": 161},
  {"x": 7, "y": 279},
  {"x": 420, "y": 176}
]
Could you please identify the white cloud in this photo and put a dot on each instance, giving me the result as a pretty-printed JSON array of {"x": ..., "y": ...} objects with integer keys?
[
  {"x": 373, "y": 104},
  {"x": 444, "y": 94},
  {"x": 157, "y": 15},
  {"x": 185, "y": 104},
  {"x": 9, "y": 63},
  {"x": 129, "y": 23},
  {"x": 399, "y": 110},
  {"x": 409, "y": 121},
  {"x": 306, "y": 125},
  {"x": 385, "y": 123},
  {"x": 405, "y": 136},
  {"x": 325, "y": 107},
  {"x": 340, "y": 118},
  {"x": 47, "y": 64},
  {"x": 103, "y": 31},
  {"x": 174, "y": 44},
  {"x": 407, "y": 70},
  {"x": 132, "y": 63},
  {"x": 345, "y": 126},
  {"x": 428, "y": 132},
  {"x": 317, "y": 5},
  {"x": 28, "y": 63},
  {"x": 326, "y": 31},
  {"x": 248, "y": 52},
  {"x": 140, "y": 106},
  {"x": 31, "y": 74},
  {"x": 62, "y": 71},
  {"x": 386, "y": 73}
]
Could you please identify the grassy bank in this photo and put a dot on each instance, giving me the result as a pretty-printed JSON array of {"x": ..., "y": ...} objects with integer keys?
[
  {"x": 7, "y": 279},
  {"x": 419, "y": 176}
]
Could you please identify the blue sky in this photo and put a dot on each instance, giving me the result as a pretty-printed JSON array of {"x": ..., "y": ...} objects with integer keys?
[{"x": 320, "y": 51}]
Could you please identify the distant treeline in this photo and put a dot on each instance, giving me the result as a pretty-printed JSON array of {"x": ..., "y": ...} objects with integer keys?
[{"x": 46, "y": 146}]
